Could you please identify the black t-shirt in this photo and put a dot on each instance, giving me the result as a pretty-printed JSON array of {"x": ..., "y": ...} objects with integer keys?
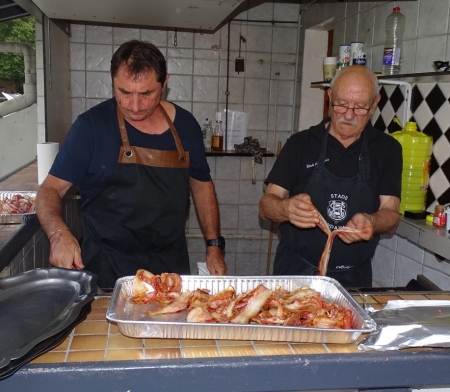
[
  {"x": 90, "y": 151},
  {"x": 299, "y": 155}
]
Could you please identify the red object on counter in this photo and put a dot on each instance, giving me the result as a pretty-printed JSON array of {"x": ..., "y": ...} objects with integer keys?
[{"x": 439, "y": 218}]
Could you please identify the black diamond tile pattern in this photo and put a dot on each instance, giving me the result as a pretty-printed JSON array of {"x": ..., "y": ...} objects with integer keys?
[
  {"x": 434, "y": 100},
  {"x": 383, "y": 100},
  {"x": 379, "y": 124},
  {"x": 432, "y": 129},
  {"x": 396, "y": 98},
  {"x": 416, "y": 99}
]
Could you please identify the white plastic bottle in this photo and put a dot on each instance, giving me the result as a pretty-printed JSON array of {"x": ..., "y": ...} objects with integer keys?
[
  {"x": 206, "y": 131},
  {"x": 393, "y": 48}
]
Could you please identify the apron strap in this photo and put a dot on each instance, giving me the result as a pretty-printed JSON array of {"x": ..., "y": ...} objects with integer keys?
[
  {"x": 128, "y": 150},
  {"x": 181, "y": 153}
]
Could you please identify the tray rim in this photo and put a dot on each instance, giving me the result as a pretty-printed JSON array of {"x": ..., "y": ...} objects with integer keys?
[
  {"x": 369, "y": 323},
  {"x": 6, "y": 219},
  {"x": 88, "y": 288}
]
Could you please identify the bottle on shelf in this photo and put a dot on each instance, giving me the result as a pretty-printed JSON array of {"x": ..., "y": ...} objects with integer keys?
[
  {"x": 217, "y": 137},
  {"x": 207, "y": 133},
  {"x": 393, "y": 48}
]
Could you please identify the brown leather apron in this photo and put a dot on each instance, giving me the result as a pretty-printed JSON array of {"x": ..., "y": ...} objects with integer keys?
[{"x": 138, "y": 220}]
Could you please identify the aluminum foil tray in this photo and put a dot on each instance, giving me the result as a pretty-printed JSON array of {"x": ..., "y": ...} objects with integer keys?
[
  {"x": 39, "y": 304},
  {"x": 133, "y": 321},
  {"x": 6, "y": 219}
]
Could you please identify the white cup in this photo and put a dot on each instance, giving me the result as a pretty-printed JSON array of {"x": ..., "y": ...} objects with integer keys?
[
  {"x": 355, "y": 47},
  {"x": 329, "y": 68}
]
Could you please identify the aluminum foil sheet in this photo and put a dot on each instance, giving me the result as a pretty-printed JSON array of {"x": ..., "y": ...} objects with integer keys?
[
  {"x": 6, "y": 219},
  {"x": 133, "y": 321},
  {"x": 404, "y": 324}
]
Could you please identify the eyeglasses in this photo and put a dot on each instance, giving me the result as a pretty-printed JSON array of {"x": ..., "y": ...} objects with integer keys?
[{"x": 341, "y": 109}]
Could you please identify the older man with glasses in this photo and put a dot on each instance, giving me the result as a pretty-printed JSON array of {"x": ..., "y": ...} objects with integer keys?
[{"x": 344, "y": 169}]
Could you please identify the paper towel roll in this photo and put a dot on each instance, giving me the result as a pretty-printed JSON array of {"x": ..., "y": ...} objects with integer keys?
[{"x": 46, "y": 153}]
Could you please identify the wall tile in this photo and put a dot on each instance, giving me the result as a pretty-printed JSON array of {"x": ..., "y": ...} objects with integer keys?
[
  {"x": 247, "y": 264},
  {"x": 206, "y": 41},
  {"x": 259, "y": 39},
  {"x": 257, "y": 91},
  {"x": 429, "y": 49},
  {"x": 180, "y": 66},
  {"x": 229, "y": 216},
  {"x": 381, "y": 13},
  {"x": 156, "y": 37},
  {"x": 77, "y": 33},
  {"x": 77, "y": 84},
  {"x": 205, "y": 88},
  {"x": 286, "y": 12},
  {"x": 98, "y": 57},
  {"x": 257, "y": 65},
  {"x": 184, "y": 39},
  {"x": 433, "y": 18},
  {"x": 78, "y": 107},
  {"x": 284, "y": 40},
  {"x": 405, "y": 270},
  {"x": 77, "y": 56},
  {"x": 262, "y": 12},
  {"x": 122, "y": 34},
  {"x": 249, "y": 217},
  {"x": 365, "y": 27},
  {"x": 99, "y": 34},
  {"x": 249, "y": 193},
  {"x": 203, "y": 110},
  {"x": 227, "y": 191},
  {"x": 411, "y": 12},
  {"x": 206, "y": 67},
  {"x": 98, "y": 85},
  {"x": 179, "y": 88},
  {"x": 235, "y": 89},
  {"x": 257, "y": 117},
  {"x": 410, "y": 250},
  {"x": 351, "y": 29},
  {"x": 228, "y": 169},
  {"x": 383, "y": 265},
  {"x": 389, "y": 241}
]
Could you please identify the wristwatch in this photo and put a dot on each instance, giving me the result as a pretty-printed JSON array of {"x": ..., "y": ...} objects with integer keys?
[{"x": 219, "y": 241}]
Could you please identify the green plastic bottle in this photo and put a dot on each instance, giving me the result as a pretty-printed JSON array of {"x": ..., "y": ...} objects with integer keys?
[{"x": 417, "y": 148}]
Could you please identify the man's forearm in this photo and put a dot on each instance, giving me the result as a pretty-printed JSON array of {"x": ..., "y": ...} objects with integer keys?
[
  {"x": 273, "y": 207},
  {"x": 49, "y": 210},
  {"x": 385, "y": 221},
  {"x": 207, "y": 208}
]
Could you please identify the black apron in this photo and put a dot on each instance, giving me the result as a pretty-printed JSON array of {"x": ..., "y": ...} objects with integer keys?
[
  {"x": 138, "y": 220},
  {"x": 338, "y": 200}
]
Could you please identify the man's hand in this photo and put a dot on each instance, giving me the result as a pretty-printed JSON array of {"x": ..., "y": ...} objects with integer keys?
[
  {"x": 362, "y": 222},
  {"x": 298, "y": 209},
  {"x": 65, "y": 251},
  {"x": 215, "y": 262}
]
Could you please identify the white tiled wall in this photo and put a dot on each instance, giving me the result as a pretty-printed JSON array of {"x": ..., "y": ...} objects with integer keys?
[
  {"x": 198, "y": 67},
  {"x": 198, "y": 79}
]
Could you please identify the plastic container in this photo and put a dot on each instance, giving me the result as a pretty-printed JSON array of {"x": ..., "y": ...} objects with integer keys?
[
  {"x": 207, "y": 134},
  {"x": 393, "y": 47},
  {"x": 417, "y": 149},
  {"x": 439, "y": 217}
]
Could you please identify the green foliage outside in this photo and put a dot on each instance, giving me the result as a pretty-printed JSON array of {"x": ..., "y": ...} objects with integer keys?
[{"x": 11, "y": 64}]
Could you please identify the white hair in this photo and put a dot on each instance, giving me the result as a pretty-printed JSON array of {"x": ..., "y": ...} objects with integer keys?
[{"x": 372, "y": 75}]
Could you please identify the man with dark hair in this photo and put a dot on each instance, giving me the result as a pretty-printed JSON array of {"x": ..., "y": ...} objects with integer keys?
[
  {"x": 135, "y": 158},
  {"x": 346, "y": 170}
]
